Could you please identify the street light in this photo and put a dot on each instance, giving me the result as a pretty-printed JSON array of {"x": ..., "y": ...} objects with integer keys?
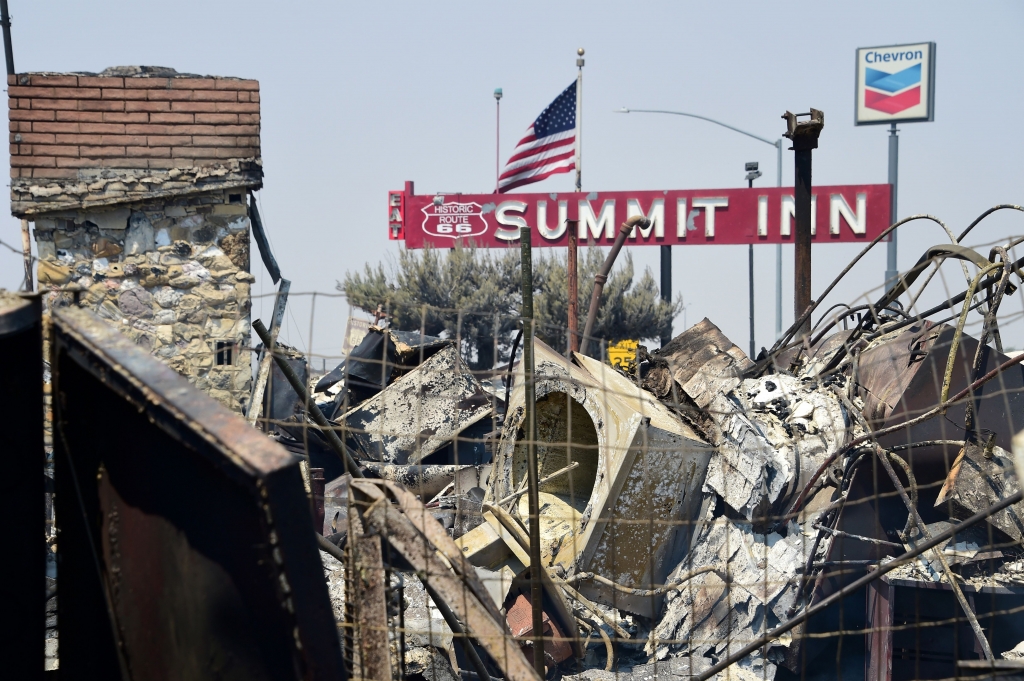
[{"x": 778, "y": 182}]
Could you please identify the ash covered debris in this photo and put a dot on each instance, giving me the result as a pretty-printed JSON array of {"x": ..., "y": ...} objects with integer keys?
[{"x": 701, "y": 500}]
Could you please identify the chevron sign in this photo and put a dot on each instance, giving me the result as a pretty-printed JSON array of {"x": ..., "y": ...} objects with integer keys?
[{"x": 895, "y": 83}]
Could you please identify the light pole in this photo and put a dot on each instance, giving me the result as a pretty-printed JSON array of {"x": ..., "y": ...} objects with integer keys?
[
  {"x": 752, "y": 174},
  {"x": 778, "y": 183}
]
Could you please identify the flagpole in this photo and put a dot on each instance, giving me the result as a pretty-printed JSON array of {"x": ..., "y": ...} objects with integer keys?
[
  {"x": 497, "y": 138},
  {"x": 579, "y": 120},
  {"x": 571, "y": 226}
]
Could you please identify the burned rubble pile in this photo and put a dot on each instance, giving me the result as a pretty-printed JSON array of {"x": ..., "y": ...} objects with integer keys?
[{"x": 688, "y": 505}]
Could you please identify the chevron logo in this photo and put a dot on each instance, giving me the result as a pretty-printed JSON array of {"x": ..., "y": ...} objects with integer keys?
[{"x": 892, "y": 92}]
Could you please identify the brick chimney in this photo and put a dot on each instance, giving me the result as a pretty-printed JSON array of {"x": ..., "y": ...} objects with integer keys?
[{"x": 137, "y": 181}]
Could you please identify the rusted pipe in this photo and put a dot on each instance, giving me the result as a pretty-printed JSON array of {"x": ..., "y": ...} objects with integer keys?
[
  {"x": 804, "y": 135},
  {"x": 572, "y": 272},
  {"x": 533, "y": 494},
  {"x": 602, "y": 276}
]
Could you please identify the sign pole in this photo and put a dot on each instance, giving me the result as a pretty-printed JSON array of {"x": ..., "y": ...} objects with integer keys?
[
  {"x": 891, "y": 270},
  {"x": 572, "y": 257}
]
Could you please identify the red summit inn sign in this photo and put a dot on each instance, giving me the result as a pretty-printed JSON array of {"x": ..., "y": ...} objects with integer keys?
[{"x": 842, "y": 214}]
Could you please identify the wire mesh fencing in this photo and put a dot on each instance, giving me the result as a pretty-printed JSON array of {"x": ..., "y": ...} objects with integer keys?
[
  {"x": 844, "y": 505},
  {"x": 491, "y": 502}
]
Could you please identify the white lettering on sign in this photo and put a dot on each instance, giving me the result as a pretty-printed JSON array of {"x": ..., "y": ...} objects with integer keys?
[
  {"x": 542, "y": 219},
  {"x": 681, "y": 218},
  {"x": 837, "y": 206},
  {"x": 594, "y": 225},
  {"x": 454, "y": 220},
  {"x": 788, "y": 213},
  {"x": 501, "y": 214},
  {"x": 709, "y": 205},
  {"x": 762, "y": 216},
  {"x": 656, "y": 215}
]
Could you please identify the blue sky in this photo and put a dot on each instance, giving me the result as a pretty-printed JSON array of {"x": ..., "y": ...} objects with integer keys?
[{"x": 359, "y": 97}]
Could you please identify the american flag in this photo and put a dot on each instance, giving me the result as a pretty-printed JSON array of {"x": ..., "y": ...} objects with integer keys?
[{"x": 549, "y": 147}]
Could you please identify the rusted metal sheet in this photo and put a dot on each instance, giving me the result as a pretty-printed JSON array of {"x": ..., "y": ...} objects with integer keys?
[
  {"x": 980, "y": 477},
  {"x": 419, "y": 413},
  {"x": 886, "y": 367},
  {"x": 22, "y": 616},
  {"x": 999, "y": 405},
  {"x": 520, "y": 621},
  {"x": 186, "y": 549},
  {"x": 704, "y": 362},
  {"x": 878, "y": 639}
]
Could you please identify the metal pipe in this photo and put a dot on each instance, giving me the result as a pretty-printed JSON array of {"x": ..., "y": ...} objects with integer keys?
[
  {"x": 602, "y": 276},
  {"x": 750, "y": 295},
  {"x": 881, "y": 570},
  {"x": 804, "y": 135},
  {"x": 5, "y": 21},
  {"x": 802, "y": 238},
  {"x": 572, "y": 274},
  {"x": 530, "y": 408},
  {"x": 891, "y": 270},
  {"x": 778, "y": 248},
  {"x": 666, "y": 289},
  {"x": 326, "y": 427}
]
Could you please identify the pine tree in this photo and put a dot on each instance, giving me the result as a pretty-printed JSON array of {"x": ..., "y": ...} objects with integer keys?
[{"x": 474, "y": 295}]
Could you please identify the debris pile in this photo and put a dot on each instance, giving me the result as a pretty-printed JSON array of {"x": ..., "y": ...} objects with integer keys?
[{"x": 698, "y": 499}]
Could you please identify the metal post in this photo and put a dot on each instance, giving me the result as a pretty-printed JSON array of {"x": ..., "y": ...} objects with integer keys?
[
  {"x": 802, "y": 236},
  {"x": 497, "y": 138},
  {"x": 5, "y": 21},
  {"x": 530, "y": 399},
  {"x": 804, "y": 135},
  {"x": 891, "y": 270},
  {"x": 750, "y": 281},
  {"x": 572, "y": 274},
  {"x": 666, "y": 289},
  {"x": 778, "y": 249},
  {"x": 750, "y": 294}
]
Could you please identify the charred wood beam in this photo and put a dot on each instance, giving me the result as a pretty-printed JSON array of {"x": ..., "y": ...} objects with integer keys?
[
  {"x": 262, "y": 243},
  {"x": 263, "y": 374}
]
